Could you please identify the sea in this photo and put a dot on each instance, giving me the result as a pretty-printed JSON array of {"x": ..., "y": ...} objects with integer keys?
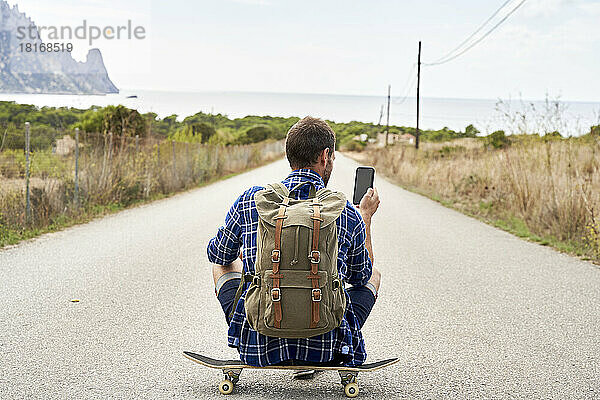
[{"x": 512, "y": 115}]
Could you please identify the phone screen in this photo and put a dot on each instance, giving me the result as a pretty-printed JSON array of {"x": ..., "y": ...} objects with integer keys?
[{"x": 362, "y": 182}]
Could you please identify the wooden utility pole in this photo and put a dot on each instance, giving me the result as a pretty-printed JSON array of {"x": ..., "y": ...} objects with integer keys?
[
  {"x": 76, "y": 195},
  {"x": 27, "y": 172},
  {"x": 387, "y": 125},
  {"x": 418, "y": 93},
  {"x": 380, "y": 115}
]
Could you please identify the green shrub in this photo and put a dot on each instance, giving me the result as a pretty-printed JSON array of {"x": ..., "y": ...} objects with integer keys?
[
  {"x": 471, "y": 131},
  {"x": 448, "y": 150},
  {"x": 552, "y": 136},
  {"x": 204, "y": 130},
  {"x": 592, "y": 238},
  {"x": 354, "y": 145},
  {"x": 258, "y": 133},
  {"x": 497, "y": 140},
  {"x": 198, "y": 132}
]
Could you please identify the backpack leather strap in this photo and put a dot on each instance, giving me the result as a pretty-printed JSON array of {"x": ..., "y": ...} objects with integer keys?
[
  {"x": 276, "y": 260},
  {"x": 315, "y": 258}
]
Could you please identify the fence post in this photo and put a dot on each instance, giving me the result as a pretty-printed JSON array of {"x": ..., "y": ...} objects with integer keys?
[
  {"x": 217, "y": 170},
  {"x": 174, "y": 165},
  {"x": 76, "y": 167},
  {"x": 158, "y": 154},
  {"x": 27, "y": 195},
  {"x": 137, "y": 149},
  {"x": 110, "y": 145},
  {"x": 188, "y": 162}
]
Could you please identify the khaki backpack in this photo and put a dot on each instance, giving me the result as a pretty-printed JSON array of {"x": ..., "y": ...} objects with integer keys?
[{"x": 296, "y": 291}]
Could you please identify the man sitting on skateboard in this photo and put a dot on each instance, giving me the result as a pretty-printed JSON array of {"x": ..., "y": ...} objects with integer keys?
[{"x": 310, "y": 147}]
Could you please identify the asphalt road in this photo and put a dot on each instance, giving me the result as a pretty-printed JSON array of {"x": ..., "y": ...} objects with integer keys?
[{"x": 471, "y": 311}]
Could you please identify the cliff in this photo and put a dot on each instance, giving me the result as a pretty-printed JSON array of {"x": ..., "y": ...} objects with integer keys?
[{"x": 45, "y": 72}]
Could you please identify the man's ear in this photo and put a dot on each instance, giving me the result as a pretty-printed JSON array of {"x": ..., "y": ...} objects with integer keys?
[{"x": 324, "y": 156}]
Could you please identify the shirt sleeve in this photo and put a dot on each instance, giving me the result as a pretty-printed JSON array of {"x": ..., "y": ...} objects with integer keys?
[
  {"x": 224, "y": 248},
  {"x": 359, "y": 263}
]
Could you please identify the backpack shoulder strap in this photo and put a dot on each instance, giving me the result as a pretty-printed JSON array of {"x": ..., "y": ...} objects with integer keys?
[
  {"x": 280, "y": 189},
  {"x": 312, "y": 191}
]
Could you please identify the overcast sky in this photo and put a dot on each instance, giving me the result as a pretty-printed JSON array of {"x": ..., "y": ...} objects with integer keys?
[{"x": 342, "y": 47}]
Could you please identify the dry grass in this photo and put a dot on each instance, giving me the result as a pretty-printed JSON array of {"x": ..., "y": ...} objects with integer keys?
[
  {"x": 113, "y": 171},
  {"x": 545, "y": 190}
]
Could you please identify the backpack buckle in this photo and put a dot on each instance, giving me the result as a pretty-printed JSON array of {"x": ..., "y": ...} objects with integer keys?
[
  {"x": 275, "y": 254},
  {"x": 315, "y": 256},
  {"x": 316, "y": 295},
  {"x": 276, "y": 294}
]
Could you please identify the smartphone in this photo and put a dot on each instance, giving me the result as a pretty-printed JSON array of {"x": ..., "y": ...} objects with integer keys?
[{"x": 362, "y": 182}]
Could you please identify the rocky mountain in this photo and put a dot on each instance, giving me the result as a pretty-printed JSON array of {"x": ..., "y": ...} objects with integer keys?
[{"x": 41, "y": 71}]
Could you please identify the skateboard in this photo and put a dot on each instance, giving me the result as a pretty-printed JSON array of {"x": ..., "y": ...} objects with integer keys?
[{"x": 233, "y": 368}]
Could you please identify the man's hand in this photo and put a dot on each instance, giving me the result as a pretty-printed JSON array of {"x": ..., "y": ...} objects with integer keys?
[{"x": 369, "y": 204}]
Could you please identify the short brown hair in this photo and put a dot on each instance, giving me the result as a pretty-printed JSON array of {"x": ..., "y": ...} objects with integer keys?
[{"x": 306, "y": 140}]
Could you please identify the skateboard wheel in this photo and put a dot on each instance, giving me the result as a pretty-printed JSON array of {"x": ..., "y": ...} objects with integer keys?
[
  {"x": 226, "y": 386},
  {"x": 351, "y": 389}
]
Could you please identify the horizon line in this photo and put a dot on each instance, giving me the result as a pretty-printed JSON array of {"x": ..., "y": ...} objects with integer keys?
[{"x": 384, "y": 96}]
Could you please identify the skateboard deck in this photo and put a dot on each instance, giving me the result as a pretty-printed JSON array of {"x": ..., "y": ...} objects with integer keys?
[{"x": 233, "y": 368}]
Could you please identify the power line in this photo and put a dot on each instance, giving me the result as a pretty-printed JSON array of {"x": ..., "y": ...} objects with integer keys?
[
  {"x": 408, "y": 92},
  {"x": 410, "y": 84},
  {"x": 449, "y": 57},
  {"x": 474, "y": 33},
  {"x": 443, "y": 61},
  {"x": 412, "y": 78}
]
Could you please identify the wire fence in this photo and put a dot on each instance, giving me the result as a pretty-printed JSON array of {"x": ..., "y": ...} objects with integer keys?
[{"x": 79, "y": 171}]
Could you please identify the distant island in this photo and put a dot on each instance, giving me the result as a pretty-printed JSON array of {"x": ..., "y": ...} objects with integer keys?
[{"x": 54, "y": 72}]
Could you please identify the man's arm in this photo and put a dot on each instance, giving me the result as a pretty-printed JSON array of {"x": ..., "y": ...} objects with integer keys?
[
  {"x": 223, "y": 250},
  {"x": 367, "y": 207},
  {"x": 234, "y": 270},
  {"x": 368, "y": 244},
  {"x": 360, "y": 253}
]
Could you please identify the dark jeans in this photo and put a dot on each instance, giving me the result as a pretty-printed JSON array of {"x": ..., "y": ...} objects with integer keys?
[{"x": 362, "y": 300}]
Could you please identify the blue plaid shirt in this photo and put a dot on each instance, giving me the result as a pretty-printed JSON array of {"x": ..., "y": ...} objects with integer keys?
[{"x": 354, "y": 266}]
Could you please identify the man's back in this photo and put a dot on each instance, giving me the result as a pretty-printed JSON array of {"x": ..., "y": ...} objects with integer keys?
[{"x": 238, "y": 235}]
